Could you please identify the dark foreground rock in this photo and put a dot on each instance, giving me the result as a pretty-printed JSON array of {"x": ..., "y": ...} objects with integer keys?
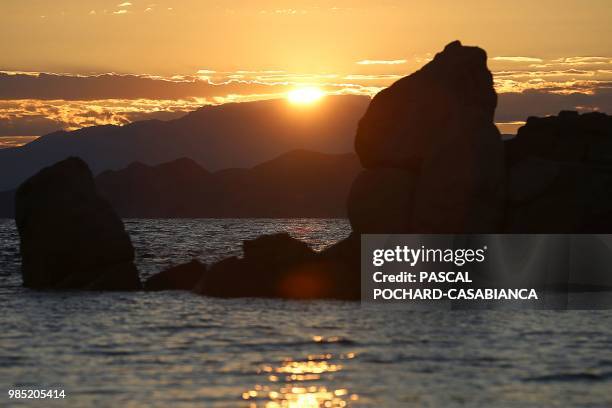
[
  {"x": 437, "y": 125},
  {"x": 180, "y": 277},
  {"x": 280, "y": 266},
  {"x": 70, "y": 238},
  {"x": 569, "y": 137},
  {"x": 560, "y": 175}
]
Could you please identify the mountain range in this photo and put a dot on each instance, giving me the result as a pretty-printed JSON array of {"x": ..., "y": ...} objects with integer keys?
[
  {"x": 233, "y": 135},
  {"x": 299, "y": 183}
]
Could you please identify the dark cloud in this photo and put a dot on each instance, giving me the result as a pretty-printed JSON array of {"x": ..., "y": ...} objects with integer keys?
[{"x": 112, "y": 86}]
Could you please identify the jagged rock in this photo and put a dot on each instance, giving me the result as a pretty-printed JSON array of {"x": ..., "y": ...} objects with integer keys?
[
  {"x": 560, "y": 175},
  {"x": 575, "y": 200},
  {"x": 274, "y": 266},
  {"x": 530, "y": 178},
  {"x": 70, "y": 238},
  {"x": 180, "y": 277},
  {"x": 568, "y": 137},
  {"x": 381, "y": 201},
  {"x": 268, "y": 262},
  {"x": 438, "y": 123},
  {"x": 413, "y": 118}
]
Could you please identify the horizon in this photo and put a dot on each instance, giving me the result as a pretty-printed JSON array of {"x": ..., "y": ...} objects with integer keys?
[{"x": 112, "y": 67}]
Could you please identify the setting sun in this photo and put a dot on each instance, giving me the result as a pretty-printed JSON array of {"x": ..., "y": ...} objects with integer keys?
[{"x": 305, "y": 96}]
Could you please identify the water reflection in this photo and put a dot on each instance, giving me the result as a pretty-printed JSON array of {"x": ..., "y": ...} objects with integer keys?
[{"x": 301, "y": 384}]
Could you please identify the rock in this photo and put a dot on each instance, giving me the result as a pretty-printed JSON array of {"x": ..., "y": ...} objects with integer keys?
[
  {"x": 273, "y": 266},
  {"x": 381, "y": 201},
  {"x": 180, "y": 277},
  {"x": 438, "y": 124},
  {"x": 413, "y": 118},
  {"x": 460, "y": 189},
  {"x": 568, "y": 137},
  {"x": 560, "y": 175},
  {"x": 575, "y": 200},
  {"x": 530, "y": 178},
  {"x": 70, "y": 238}
]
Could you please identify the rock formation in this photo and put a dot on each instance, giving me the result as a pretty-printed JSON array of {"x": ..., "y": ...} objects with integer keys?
[
  {"x": 181, "y": 277},
  {"x": 70, "y": 238},
  {"x": 560, "y": 175},
  {"x": 273, "y": 266},
  {"x": 433, "y": 134}
]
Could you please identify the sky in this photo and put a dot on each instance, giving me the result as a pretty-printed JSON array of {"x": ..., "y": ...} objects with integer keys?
[{"x": 68, "y": 63}]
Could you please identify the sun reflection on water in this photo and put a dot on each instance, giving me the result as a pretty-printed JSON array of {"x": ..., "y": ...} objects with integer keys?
[{"x": 301, "y": 383}]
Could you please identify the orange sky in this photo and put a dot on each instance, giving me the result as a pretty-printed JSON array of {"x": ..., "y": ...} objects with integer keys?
[
  {"x": 243, "y": 50},
  {"x": 183, "y": 36}
]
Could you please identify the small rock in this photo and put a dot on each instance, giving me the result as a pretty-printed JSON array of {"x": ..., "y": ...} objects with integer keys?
[{"x": 180, "y": 277}]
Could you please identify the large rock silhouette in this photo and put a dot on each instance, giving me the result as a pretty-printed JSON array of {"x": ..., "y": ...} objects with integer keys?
[
  {"x": 560, "y": 175},
  {"x": 438, "y": 125},
  {"x": 70, "y": 238}
]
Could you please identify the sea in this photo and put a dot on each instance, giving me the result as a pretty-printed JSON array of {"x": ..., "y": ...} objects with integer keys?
[{"x": 179, "y": 349}]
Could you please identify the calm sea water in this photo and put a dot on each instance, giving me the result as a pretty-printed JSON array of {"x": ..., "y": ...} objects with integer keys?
[{"x": 179, "y": 349}]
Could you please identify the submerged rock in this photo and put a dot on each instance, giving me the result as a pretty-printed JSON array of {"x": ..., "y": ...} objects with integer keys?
[
  {"x": 276, "y": 265},
  {"x": 269, "y": 264},
  {"x": 180, "y": 277},
  {"x": 70, "y": 238}
]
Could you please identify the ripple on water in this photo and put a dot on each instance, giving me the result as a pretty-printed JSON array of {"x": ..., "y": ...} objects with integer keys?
[
  {"x": 302, "y": 383},
  {"x": 182, "y": 350}
]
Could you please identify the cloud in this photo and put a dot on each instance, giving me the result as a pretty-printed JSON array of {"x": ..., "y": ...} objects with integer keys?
[
  {"x": 15, "y": 141},
  {"x": 361, "y": 77},
  {"x": 517, "y": 59},
  {"x": 125, "y": 4},
  {"x": 583, "y": 60},
  {"x": 37, "y": 102},
  {"x": 37, "y": 117},
  {"x": 118, "y": 12},
  {"x": 382, "y": 62}
]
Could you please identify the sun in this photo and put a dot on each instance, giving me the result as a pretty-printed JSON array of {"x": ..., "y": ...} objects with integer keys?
[{"x": 305, "y": 96}]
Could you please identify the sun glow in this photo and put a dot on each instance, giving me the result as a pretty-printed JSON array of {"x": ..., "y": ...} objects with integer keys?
[{"x": 305, "y": 96}]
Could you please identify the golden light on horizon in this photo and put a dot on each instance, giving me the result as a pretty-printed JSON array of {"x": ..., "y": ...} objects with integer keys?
[{"x": 306, "y": 95}]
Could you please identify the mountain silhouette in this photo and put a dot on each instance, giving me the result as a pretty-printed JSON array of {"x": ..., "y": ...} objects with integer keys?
[
  {"x": 234, "y": 135},
  {"x": 296, "y": 184}
]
